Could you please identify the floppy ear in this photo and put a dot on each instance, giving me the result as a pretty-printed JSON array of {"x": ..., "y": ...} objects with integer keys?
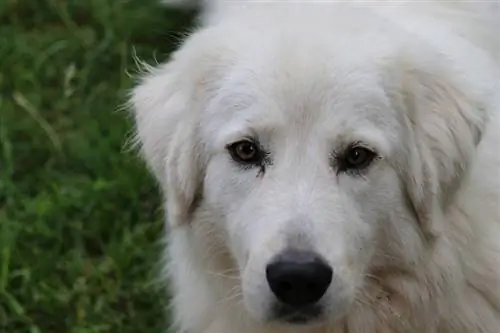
[
  {"x": 166, "y": 126},
  {"x": 445, "y": 124},
  {"x": 168, "y": 104}
]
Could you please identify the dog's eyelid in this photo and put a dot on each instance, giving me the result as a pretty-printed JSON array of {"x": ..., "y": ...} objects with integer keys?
[
  {"x": 247, "y": 138},
  {"x": 226, "y": 138},
  {"x": 361, "y": 144},
  {"x": 372, "y": 138},
  {"x": 342, "y": 148}
]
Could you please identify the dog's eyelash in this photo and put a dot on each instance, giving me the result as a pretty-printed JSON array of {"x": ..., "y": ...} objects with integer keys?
[{"x": 262, "y": 165}]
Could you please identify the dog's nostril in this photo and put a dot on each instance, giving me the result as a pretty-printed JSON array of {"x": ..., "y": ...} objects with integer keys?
[{"x": 299, "y": 278}]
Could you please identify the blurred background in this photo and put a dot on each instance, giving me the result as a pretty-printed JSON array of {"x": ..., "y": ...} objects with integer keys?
[{"x": 80, "y": 217}]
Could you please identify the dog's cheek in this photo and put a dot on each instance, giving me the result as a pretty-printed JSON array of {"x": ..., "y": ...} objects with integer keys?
[{"x": 226, "y": 190}]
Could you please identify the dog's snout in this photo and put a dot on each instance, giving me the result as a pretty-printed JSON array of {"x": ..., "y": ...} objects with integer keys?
[{"x": 299, "y": 278}]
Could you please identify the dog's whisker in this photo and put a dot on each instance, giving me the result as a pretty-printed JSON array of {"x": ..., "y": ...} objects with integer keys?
[
  {"x": 234, "y": 293},
  {"x": 226, "y": 276}
]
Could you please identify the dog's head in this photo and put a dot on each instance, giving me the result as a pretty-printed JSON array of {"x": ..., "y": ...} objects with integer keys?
[{"x": 316, "y": 161}]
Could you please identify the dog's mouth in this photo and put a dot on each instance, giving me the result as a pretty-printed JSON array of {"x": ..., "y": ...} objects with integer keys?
[{"x": 297, "y": 316}]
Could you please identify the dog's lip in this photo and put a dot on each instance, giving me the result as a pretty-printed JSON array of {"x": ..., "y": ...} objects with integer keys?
[{"x": 297, "y": 316}]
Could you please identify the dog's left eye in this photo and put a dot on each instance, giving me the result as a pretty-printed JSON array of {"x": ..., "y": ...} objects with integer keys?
[
  {"x": 246, "y": 152},
  {"x": 357, "y": 158}
]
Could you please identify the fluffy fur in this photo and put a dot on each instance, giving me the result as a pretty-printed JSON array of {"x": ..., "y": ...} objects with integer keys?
[{"x": 414, "y": 240}]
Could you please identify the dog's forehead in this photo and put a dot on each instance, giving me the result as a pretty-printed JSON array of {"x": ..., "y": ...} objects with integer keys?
[
  {"x": 311, "y": 87},
  {"x": 309, "y": 94}
]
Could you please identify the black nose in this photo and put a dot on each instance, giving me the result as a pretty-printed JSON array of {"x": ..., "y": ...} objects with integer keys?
[{"x": 298, "y": 278}]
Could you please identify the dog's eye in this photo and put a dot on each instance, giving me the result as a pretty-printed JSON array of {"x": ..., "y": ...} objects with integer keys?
[
  {"x": 245, "y": 152},
  {"x": 357, "y": 158}
]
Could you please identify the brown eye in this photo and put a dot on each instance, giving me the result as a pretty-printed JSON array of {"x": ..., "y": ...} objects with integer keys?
[
  {"x": 357, "y": 158},
  {"x": 245, "y": 152}
]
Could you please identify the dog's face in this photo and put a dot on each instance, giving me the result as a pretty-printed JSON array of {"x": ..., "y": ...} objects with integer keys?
[
  {"x": 302, "y": 174},
  {"x": 315, "y": 167}
]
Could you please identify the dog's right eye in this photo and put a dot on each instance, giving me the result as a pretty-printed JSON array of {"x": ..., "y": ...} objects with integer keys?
[{"x": 246, "y": 152}]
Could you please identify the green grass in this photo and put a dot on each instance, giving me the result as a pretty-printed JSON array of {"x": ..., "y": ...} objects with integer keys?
[{"x": 80, "y": 217}]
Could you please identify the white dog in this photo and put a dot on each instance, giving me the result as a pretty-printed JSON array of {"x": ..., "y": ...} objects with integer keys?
[{"x": 331, "y": 167}]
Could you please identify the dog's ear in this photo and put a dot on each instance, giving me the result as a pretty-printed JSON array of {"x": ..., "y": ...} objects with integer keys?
[
  {"x": 168, "y": 103},
  {"x": 166, "y": 127},
  {"x": 445, "y": 124}
]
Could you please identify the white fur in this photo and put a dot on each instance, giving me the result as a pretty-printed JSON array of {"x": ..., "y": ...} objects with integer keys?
[{"x": 414, "y": 241}]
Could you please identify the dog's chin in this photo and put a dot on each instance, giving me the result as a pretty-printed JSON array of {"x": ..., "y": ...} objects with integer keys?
[
  {"x": 282, "y": 315},
  {"x": 309, "y": 315}
]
